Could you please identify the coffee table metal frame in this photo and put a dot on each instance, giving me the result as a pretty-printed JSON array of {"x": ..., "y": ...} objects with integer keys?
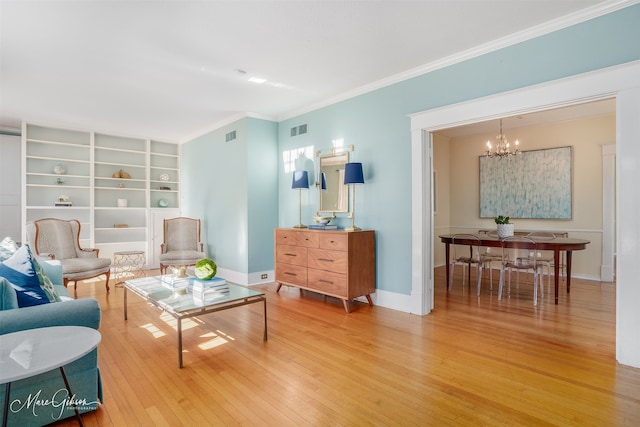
[{"x": 182, "y": 306}]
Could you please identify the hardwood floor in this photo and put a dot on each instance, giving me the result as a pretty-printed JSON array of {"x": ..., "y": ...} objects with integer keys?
[{"x": 471, "y": 362}]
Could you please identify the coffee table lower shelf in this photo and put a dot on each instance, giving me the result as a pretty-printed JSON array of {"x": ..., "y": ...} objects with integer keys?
[{"x": 182, "y": 305}]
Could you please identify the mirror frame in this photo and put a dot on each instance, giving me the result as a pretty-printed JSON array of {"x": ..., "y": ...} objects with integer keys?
[{"x": 323, "y": 159}]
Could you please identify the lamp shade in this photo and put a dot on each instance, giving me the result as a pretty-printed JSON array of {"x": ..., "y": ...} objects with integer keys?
[
  {"x": 300, "y": 179},
  {"x": 353, "y": 173},
  {"x": 323, "y": 180}
]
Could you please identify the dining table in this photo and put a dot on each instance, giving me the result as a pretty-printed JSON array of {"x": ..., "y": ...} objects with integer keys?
[{"x": 556, "y": 245}]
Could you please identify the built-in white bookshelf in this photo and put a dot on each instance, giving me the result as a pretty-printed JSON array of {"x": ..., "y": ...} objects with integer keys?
[
  {"x": 110, "y": 184},
  {"x": 164, "y": 175}
]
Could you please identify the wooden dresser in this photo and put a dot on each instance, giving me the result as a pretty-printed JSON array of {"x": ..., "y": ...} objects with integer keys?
[{"x": 341, "y": 264}]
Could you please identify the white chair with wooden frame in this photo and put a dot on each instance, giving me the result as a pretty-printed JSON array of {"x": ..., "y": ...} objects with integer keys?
[
  {"x": 182, "y": 245},
  {"x": 60, "y": 239}
]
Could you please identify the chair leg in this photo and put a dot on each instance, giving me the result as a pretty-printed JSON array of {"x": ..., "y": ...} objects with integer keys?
[
  {"x": 451, "y": 269},
  {"x": 106, "y": 284},
  {"x": 501, "y": 283},
  {"x": 535, "y": 287},
  {"x": 479, "y": 272}
]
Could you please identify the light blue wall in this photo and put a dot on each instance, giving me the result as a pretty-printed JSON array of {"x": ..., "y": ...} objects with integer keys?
[
  {"x": 377, "y": 125},
  {"x": 231, "y": 186},
  {"x": 262, "y": 160}
]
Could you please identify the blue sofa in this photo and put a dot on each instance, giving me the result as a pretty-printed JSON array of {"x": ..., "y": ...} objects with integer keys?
[{"x": 83, "y": 374}]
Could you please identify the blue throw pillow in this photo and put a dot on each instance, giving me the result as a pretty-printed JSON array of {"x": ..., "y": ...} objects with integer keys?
[{"x": 19, "y": 271}]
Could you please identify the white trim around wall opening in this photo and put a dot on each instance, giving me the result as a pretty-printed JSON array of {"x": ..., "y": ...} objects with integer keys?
[{"x": 621, "y": 82}]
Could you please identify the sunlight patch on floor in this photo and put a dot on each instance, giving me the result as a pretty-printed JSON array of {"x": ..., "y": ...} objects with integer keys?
[
  {"x": 215, "y": 341},
  {"x": 186, "y": 323},
  {"x": 153, "y": 329}
]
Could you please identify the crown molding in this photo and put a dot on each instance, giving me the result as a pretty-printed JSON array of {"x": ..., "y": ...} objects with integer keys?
[{"x": 584, "y": 15}]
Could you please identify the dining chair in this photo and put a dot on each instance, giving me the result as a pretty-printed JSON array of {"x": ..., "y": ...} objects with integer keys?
[
  {"x": 465, "y": 251},
  {"x": 513, "y": 262},
  {"x": 490, "y": 257},
  {"x": 545, "y": 258}
]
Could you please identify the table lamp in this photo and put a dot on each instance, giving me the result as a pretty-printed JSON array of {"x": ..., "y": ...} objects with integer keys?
[
  {"x": 300, "y": 181},
  {"x": 353, "y": 175}
]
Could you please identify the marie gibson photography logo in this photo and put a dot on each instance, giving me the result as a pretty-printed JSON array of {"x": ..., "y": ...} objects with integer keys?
[{"x": 59, "y": 402}]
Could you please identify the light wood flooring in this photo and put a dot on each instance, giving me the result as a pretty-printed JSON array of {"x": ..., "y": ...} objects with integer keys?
[{"x": 471, "y": 362}]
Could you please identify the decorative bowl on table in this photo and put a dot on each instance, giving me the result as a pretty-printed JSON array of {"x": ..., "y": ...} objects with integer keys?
[{"x": 322, "y": 220}]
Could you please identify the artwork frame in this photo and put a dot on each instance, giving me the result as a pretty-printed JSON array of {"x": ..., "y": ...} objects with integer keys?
[{"x": 535, "y": 184}]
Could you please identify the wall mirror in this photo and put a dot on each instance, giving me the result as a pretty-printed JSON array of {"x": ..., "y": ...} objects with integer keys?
[{"x": 333, "y": 195}]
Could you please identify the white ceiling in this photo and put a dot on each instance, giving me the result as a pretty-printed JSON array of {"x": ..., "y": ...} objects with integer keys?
[{"x": 170, "y": 69}]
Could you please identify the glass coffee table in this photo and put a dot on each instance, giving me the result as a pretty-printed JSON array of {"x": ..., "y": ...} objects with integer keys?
[{"x": 181, "y": 304}]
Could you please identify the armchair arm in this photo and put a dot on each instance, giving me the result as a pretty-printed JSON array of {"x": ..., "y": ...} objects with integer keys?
[
  {"x": 163, "y": 248},
  {"x": 201, "y": 246},
  {"x": 46, "y": 256},
  {"x": 88, "y": 253},
  {"x": 80, "y": 312}
]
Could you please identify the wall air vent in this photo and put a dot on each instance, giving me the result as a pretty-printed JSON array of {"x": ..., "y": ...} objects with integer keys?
[
  {"x": 230, "y": 136},
  {"x": 299, "y": 130}
]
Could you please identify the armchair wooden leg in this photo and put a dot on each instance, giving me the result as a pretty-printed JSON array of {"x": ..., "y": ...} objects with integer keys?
[{"x": 106, "y": 284}]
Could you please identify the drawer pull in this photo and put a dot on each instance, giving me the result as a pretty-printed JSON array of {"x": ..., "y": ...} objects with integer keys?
[
  {"x": 325, "y": 259},
  {"x": 290, "y": 274},
  {"x": 287, "y": 254},
  {"x": 326, "y": 281}
]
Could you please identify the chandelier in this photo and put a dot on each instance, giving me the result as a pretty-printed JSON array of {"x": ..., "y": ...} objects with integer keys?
[{"x": 502, "y": 148}]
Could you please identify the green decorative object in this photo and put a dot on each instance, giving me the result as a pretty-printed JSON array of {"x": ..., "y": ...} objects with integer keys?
[
  {"x": 163, "y": 203},
  {"x": 206, "y": 269},
  {"x": 501, "y": 219}
]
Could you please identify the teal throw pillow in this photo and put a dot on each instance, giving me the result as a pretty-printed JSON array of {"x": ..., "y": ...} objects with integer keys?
[
  {"x": 8, "y": 298},
  {"x": 7, "y": 248},
  {"x": 45, "y": 282},
  {"x": 18, "y": 269}
]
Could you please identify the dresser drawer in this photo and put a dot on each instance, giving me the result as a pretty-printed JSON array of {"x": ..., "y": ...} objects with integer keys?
[
  {"x": 286, "y": 237},
  {"x": 292, "y": 274},
  {"x": 308, "y": 239},
  {"x": 335, "y": 241},
  {"x": 289, "y": 254},
  {"x": 327, "y": 282},
  {"x": 322, "y": 259}
]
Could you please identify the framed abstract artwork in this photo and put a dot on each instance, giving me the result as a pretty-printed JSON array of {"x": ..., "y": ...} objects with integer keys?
[{"x": 532, "y": 184}]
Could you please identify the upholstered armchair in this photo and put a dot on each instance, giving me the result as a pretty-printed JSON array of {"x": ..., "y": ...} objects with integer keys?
[
  {"x": 60, "y": 239},
  {"x": 182, "y": 245}
]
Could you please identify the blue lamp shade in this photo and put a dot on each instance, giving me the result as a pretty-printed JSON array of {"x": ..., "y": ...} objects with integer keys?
[
  {"x": 324, "y": 181},
  {"x": 300, "y": 179},
  {"x": 353, "y": 173}
]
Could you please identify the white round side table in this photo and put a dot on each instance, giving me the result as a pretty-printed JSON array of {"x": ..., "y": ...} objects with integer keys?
[{"x": 27, "y": 353}]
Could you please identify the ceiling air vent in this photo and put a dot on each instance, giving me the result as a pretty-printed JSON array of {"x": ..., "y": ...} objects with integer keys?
[
  {"x": 230, "y": 136},
  {"x": 299, "y": 130}
]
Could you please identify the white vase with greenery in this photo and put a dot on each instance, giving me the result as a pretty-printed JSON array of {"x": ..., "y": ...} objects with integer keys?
[{"x": 505, "y": 228}]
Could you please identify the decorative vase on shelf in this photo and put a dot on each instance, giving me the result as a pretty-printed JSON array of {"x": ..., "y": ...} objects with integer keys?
[{"x": 59, "y": 169}]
